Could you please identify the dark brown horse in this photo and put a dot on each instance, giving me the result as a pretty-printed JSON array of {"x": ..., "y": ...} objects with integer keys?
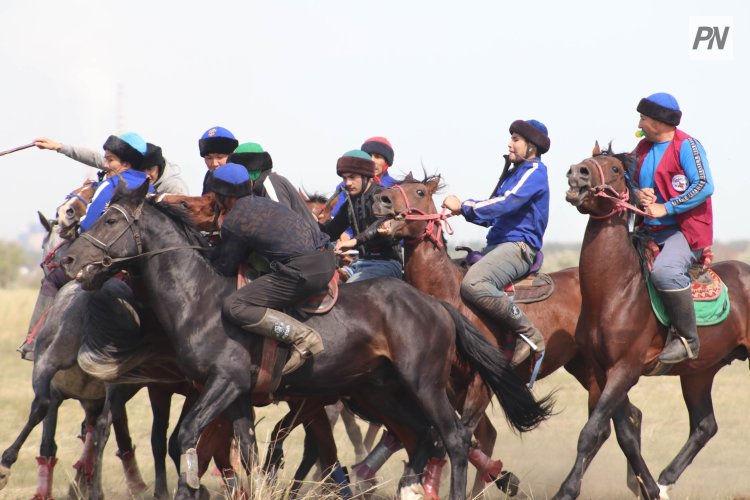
[
  {"x": 374, "y": 337},
  {"x": 620, "y": 337}
]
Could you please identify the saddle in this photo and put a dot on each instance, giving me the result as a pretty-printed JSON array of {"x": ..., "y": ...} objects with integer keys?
[
  {"x": 273, "y": 354},
  {"x": 535, "y": 286},
  {"x": 710, "y": 294}
]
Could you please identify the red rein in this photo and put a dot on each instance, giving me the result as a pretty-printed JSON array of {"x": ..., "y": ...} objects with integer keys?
[
  {"x": 620, "y": 199},
  {"x": 430, "y": 233}
]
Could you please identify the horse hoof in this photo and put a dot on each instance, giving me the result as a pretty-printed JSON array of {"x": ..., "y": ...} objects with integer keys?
[
  {"x": 412, "y": 492},
  {"x": 508, "y": 483},
  {"x": 4, "y": 475},
  {"x": 664, "y": 491}
]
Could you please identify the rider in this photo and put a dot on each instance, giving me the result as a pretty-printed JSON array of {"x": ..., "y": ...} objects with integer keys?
[
  {"x": 268, "y": 184},
  {"x": 517, "y": 213},
  {"x": 164, "y": 175},
  {"x": 381, "y": 153},
  {"x": 301, "y": 263},
  {"x": 215, "y": 145},
  {"x": 126, "y": 155},
  {"x": 120, "y": 154},
  {"x": 675, "y": 187},
  {"x": 379, "y": 255}
]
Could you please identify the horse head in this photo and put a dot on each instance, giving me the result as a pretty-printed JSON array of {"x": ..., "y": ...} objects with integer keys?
[
  {"x": 205, "y": 212},
  {"x": 408, "y": 207},
  {"x": 113, "y": 240},
  {"x": 598, "y": 185},
  {"x": 320, "y": 205},
  {"x": 69, "y": 213}
]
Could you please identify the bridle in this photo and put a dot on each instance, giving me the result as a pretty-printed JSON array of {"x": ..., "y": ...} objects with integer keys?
[
  {"x": 132, "y": 220},
  {"x": 433, "y": 230},
  {"x": 604, "y": 190}
]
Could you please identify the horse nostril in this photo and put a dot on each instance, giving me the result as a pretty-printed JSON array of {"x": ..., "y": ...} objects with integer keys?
[
  {"x": 584, "y": 172},
  {"x": 68, "y": 260}
]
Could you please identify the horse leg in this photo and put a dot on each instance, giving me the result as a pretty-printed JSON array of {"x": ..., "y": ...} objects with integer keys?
[
  {"x": 217, "y": 395},
  {"x": 613, "y": 398},
  {"x": 95, "y": 437},
  {"x": 240, "y": 413},
  {"x": 629, "y": 439},
  {"x": 370, "y": 435},
  {"x": 119, "y": 396},
  {"x": 42, "y": 379},
  {"x": 354, "y": 433},
  {"x": 319, "y": 426},
  {"x": 48, "y": 449},
  {"x": 696, "y": 391},
  {"x": 161, "y": 401}
]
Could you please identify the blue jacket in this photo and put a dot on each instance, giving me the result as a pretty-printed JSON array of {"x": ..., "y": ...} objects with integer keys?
[
  {"x": 104, "y": 192},
  {"x": 519, "y": 208}
]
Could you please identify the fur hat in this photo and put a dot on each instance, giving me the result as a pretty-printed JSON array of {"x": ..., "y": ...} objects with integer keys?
[
  {"x": 661, "y": 107},
  {"x": 129, "y": 147},
  {"x": 229, "y": 179},
  {"x": 154, "y": 157},
  {"x": 533, "y": 131},
  {"x": 355, "y": 161},
  {"x": 252, "y": 156},
  {"x": 217, "y": 140},
  {"x": 380, "y": 146}
]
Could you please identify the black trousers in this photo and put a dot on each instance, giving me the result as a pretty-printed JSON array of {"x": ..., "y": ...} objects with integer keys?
[{"x": 287, "y": 285}]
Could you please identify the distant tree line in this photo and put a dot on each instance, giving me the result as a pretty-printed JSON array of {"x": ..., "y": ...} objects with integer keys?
[{"x": 17, "y": 266}]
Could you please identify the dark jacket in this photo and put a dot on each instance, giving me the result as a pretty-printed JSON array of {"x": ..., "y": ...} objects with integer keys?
[{"x": 357, "y": 214}]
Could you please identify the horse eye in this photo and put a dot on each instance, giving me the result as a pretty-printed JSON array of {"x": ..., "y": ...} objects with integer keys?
[
  {"x": 111, "y": 221},
  {"x": 420, "y": 192},
  {"x": 616, "y": 170},
  {"x": 184, "y": 204}
]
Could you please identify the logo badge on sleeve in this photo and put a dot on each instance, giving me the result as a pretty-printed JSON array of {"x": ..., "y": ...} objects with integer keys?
[{"x": 680, "y": 182}]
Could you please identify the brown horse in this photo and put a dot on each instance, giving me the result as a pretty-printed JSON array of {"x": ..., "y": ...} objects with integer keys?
[{"x": 620, "y": 337}]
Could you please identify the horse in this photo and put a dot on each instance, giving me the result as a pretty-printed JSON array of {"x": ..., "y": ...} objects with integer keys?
[
  {"x": 319, "y": 204},
  {"x": 48, "y": 379},
  {"x": 374, "y": 337},
  {"x": 203, "y": 212},
  {"x": 413, "y": 217},
  {"x": 619, "y": 335}
]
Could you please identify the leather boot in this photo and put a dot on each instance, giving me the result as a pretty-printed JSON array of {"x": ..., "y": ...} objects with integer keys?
[
  {"x": 43, "y": 303},
  {"x": 504, "y": 311},
  {"x": 304, "y": 340},
  {"x": 679, "y": 307}
]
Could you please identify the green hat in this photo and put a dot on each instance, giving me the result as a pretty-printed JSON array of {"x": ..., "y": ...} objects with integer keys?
[{"x": 252, "y": 157}]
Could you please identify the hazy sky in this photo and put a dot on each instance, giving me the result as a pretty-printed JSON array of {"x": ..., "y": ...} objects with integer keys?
[{"x": 309, "y": 80}]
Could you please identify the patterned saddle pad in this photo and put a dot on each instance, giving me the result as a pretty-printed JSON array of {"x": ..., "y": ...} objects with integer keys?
[{"x": 533, "y": 288}]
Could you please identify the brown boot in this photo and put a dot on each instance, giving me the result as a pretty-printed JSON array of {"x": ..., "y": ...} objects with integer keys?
[
  {"x": 506, "y": 313},
  {"x": 304, "y": 340}
]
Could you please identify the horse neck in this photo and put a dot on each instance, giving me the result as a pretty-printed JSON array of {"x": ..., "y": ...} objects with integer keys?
[
  {"x": 608, "y": 259},
  {"x": 429, "y": 269},
  {"x": 172, "y": 278}
]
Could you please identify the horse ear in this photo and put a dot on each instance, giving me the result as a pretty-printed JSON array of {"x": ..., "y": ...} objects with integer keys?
[
  {"x": 44, "y": 221},
  {"x": 303, "y": 194},
  {"x": 409, "y": 177},
  {"x": 597, "y": 150},
  {"x": 433, "y": 185}
]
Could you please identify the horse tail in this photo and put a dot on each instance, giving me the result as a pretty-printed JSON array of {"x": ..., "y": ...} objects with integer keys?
[{"x": 522, "y": 411}]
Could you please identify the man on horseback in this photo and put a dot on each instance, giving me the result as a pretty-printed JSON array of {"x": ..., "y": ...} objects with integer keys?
[
  {"x": 164, "y": 175},
  {"x": 120, "y": 154},
  {"x": 517, "y": 215},
  {"x": 268, "y": 184},
  {"x": 301, "y": 262},
  {"x": 379, "y": 255},
  {"x": 215, "y": 146},
  {"x": 674, "y": 185}
]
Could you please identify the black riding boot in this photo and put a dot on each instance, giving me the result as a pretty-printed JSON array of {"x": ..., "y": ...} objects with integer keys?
[
  {"x": 43, "y": 303},
  {"x": 304, "y": 340},
  {"x": 684, "y": 345},
  {"x": 504, "y": 311}
]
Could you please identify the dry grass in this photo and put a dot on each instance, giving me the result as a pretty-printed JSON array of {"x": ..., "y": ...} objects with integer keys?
[{"x": 541, "y": 459}]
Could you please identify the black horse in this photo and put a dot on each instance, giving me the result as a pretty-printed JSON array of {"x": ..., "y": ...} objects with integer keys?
[{"x": 382, "y": 333}]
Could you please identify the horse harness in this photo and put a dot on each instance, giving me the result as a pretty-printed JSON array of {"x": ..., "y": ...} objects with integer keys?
[{"x": 433, "y": 220}]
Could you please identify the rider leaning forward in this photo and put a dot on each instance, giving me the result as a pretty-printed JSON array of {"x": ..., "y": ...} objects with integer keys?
[
  {"x": 517, "y": 214},
  {"x": 300, "y": 260}
]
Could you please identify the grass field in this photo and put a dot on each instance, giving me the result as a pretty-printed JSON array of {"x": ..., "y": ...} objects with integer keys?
[{"x": 541, "y": 458}]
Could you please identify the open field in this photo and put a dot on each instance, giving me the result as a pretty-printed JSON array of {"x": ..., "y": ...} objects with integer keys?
[{"x": 541, "y": 459}]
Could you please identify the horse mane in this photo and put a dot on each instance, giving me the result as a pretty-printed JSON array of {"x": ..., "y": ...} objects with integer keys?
[
  {"x": 410, "y": 179},
  {"x": 182, "y": 216},
  {"x": 628, "y": 161},
  {"x": 316, "y": 197}
]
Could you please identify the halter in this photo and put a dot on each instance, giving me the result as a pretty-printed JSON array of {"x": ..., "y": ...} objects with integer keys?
[
  {"x": 132, "y": 220},
  {"x": 441, "y": 218},
  {"x": 603, "y": 190}
]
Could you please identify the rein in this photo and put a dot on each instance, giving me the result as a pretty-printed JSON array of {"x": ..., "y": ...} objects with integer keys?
[
  {"x": 132, "y": 220},
  {"x": 604, "y": 190},
  {"x": 433, "y": 221}
]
